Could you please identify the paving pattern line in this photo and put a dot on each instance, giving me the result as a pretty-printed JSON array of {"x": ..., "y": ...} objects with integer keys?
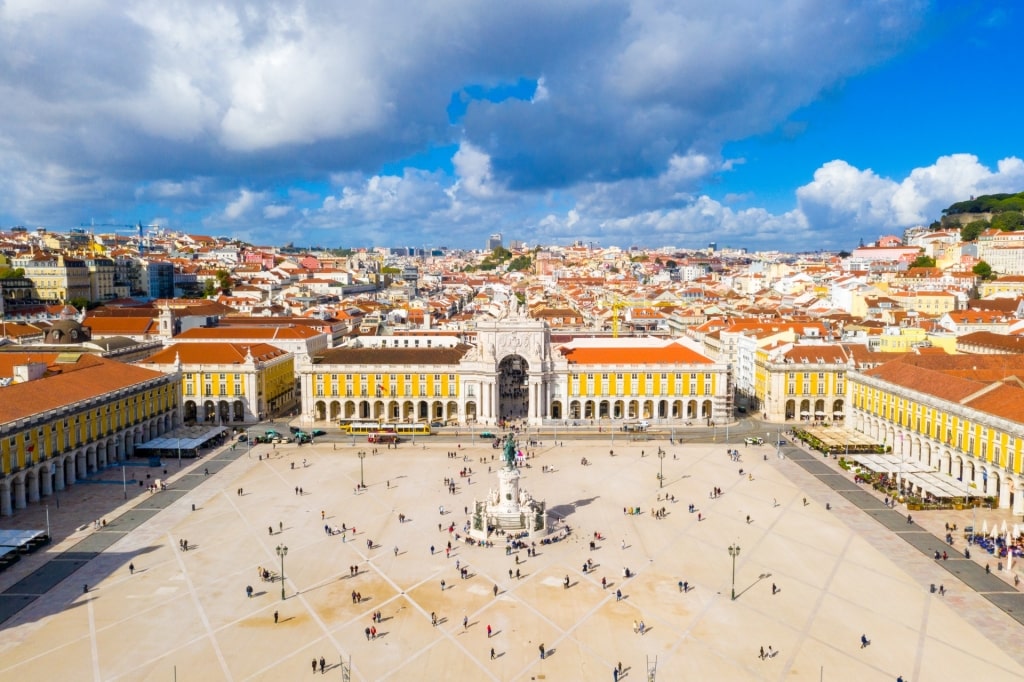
[
  {"x": 93, "y": 643},
  {"x": 211, "y": 634}
]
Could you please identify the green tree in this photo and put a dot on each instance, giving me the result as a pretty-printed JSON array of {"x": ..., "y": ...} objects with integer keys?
[
  {"x": 923, "y": 261},
  {"x": 1008, "y": 221},
  {"x": 520, "y": 263},
  {"x": 224, "y": 280},
  {"x": 983, "y": 270},
  {"x": 209, "y": 288},
  {"x": 971, "y": 230},
  {"x": 12, "y": 273}
]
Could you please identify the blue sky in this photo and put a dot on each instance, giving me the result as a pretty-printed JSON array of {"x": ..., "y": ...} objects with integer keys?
[{"x": 761, "y": 125}]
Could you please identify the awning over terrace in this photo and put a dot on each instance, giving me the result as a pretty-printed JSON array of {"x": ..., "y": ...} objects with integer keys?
[
  {"x": 918, "y": 475},
  {"x": 186, "y": 438}
]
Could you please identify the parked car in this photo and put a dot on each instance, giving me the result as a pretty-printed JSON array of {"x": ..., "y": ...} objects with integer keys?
[
  {"x": 487, "y": 434},
  {"x": 242, "y": 438},
  {"x": 753, "y": 440},
  {"x": 782, "y": 441},
  {"x": 436, "y": 425},
  {"x": 316, "y": 433},
  {"x": 294, "y": 429}
]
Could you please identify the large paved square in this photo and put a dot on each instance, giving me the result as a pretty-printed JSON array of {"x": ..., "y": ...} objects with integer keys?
[{"x": 185, "y": 614}]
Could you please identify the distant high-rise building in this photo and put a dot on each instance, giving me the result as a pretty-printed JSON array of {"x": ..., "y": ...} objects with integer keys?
[
  {"x": 159, "y": 279},
  {"x": 516, "y": 245},
  {"x": 494, "y": 241}
]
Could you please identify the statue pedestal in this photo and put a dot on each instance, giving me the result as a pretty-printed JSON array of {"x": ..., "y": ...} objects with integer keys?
[
  {"x": 508, "y": 508},
  {"x": 508, "y": 492}
]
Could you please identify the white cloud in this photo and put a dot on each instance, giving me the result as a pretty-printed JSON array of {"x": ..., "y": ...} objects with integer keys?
[
  {"x": 842, "y": 195},
  {"x": 246, "y": 201},
  {"x": 541, "y": 94},
  {"x": 277, "y": 211},
  {"x": 473, "y": 169}
]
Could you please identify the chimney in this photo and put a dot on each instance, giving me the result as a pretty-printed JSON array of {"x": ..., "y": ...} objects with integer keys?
[{"x": 29, "y": 372}]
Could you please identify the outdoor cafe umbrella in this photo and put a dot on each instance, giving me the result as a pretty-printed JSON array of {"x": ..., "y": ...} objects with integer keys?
[
  {"x": 1003, "y": 531},
  {"x": 984, "y": 527}
]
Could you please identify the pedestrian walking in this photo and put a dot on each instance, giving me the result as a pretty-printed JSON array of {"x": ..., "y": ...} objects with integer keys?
[
  {"x": 433, "y": 618},
  {"x": 366, "y": 631},
  {"x": 541, "y": 647},
  {"x": 465, "y": 622},
  {"x": 488, "y": 631},
  {"x": 442, "y": 585},
  {"x": 774, "y": 588},
  {"x": 761, "y": 655},
  {"x": 314, "y": 666},
  {"x": 131, "y": 569},
  {"x": 323, "y": 665},
  {"x": 492, "y": 653},
  {"x": 248, "y": 591},
  {"x": 618, "y": 595},
  {"x": 275, "y": 616},
  {"x": 495, "y": 590}
]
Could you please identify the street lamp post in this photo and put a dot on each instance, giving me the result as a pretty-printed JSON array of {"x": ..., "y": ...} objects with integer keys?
[
  {"x": 734, "y": 551},
  {"x": 661, "y": 469},
  {"x": 282, "y": 551},
  {"x": 362, "y": 455}
]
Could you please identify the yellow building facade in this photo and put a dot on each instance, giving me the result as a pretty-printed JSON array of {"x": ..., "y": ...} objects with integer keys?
[
  {"x": 229, "y": 383},
  {"x": 66, "y": 415},
  {"x": 515, "y": 376},
  {"x": 805, "y": 382},
  {"x": 961, "y": 415}
]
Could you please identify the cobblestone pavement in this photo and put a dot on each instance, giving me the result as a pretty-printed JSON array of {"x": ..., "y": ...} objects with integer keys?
[{"x": 839, "y": 573}]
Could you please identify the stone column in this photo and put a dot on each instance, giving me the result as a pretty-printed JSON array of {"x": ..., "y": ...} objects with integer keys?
[
  {"x": 1004, "y": 494},
  {"x": 33, "y": 489},
  {"x": 6, "y": 509},
  {"x": 59, "y": 482},
  {"x": 19, "y": 494},
  {"x": 46, "y": 479}
]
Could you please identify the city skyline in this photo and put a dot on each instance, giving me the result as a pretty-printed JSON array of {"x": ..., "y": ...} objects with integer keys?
[{"x": 616, "y": 123}]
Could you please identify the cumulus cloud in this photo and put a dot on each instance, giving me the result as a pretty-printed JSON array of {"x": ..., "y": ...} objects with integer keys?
[
  {"x": 473, "y": 169},
  {"x": 841, "y": 196},
  {"x": 243, "y": 204},
  {"x": 301, "y": 105}
]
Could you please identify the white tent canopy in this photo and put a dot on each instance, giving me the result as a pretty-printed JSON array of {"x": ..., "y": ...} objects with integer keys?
[
  {"x": 186, "y": 441},
  {"x": 918, "y": 475}
]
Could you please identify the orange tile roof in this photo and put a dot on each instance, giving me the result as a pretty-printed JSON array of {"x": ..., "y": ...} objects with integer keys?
[
  {"x": 634, "y": 355},
  {"x": 86, "y": 377},
  {"x": 962, "y": 378},
  {"x": 238, "y": 332},
  {"x": 121, "y": 325},
  {"x": 214, "y": 353}
]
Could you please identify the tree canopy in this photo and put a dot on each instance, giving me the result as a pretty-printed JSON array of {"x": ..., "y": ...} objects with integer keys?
[
  {"x": 988, "y": 203},
  {"x": 971, "y": 230},
  {"x": 923, "y": 261},
  {"x": 983, "y": 270}
]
